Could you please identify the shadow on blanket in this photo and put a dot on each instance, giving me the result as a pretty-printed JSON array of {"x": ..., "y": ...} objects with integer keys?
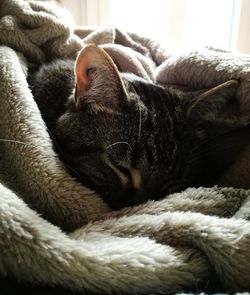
[{"x": 12, "y": 287}]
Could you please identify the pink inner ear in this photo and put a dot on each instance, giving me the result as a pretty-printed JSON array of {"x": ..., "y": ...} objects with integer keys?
[
  {"x": 87, "y": 63},
  {"x": 84, "y": 68},
  {"x": 82, "y": 79},
  {"x": 88, "y": 59}
]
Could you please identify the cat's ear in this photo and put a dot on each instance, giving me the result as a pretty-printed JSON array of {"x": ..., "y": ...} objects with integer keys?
[
  {"x": 207, "y": 105},
  {"x": 97, "y": 75}
]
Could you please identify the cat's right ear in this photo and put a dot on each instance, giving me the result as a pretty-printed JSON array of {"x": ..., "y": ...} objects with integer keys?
[{"x": 97, "y": 76}]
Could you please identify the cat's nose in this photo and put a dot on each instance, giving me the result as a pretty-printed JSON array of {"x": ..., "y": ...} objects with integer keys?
[
  {"x": 131, "y": 178},
  {"x": 136, "y": 179}
]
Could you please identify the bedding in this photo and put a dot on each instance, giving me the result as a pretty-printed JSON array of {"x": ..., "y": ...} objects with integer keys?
[{"x": 192, "y": 240}]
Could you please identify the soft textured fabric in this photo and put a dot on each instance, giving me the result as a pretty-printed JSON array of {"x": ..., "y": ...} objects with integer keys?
[{"x": 176, "y": 244}]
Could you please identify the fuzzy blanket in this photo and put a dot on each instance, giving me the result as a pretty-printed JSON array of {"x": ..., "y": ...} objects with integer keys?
[{"x": 187, "y": 241}]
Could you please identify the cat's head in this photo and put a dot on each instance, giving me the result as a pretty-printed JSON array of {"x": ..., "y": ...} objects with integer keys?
[{"x": 125, "y": 137}]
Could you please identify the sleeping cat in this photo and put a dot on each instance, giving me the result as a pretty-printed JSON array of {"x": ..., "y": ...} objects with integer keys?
[{"x": 131, "y": 140}]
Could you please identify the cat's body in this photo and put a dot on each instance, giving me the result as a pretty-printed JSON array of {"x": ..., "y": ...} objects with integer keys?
[{"x": 131, "y": 140}]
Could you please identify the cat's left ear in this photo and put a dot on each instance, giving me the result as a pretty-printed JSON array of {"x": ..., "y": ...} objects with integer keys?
[
  {"x": 207, "y": 105},
  {"x": 97, "y": 75}
]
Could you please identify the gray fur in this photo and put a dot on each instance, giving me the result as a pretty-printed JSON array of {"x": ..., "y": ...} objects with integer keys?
[{"x": 134, "y": 139}]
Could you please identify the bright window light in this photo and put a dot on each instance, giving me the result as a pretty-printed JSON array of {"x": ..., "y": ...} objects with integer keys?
[
  {"x": 174, "y": 23},
  {"x": 178, "y": 23},
  {"x": 141, "y": 16},
  {"x": 211, "y": 22}
]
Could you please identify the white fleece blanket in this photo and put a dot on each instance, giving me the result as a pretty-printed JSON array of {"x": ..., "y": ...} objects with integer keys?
[{"x": 184, "y": 242}]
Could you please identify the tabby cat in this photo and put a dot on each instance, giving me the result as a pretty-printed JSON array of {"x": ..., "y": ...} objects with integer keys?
[{"x": 131, "y": 140}]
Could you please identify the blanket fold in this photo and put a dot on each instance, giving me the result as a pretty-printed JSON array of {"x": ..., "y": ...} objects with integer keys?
[{"x": 186, "y": 241}]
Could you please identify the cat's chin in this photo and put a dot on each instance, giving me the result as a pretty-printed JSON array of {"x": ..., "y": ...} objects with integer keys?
[{"x": 119, "y": 201}]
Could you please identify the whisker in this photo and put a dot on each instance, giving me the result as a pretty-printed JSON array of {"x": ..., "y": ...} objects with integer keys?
[
  {"x": 31, "y": 145},
  {"x": 17, "y": 141},
  {"x": 119, "y": 142},
  {"x": 140, "y": 122}
]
